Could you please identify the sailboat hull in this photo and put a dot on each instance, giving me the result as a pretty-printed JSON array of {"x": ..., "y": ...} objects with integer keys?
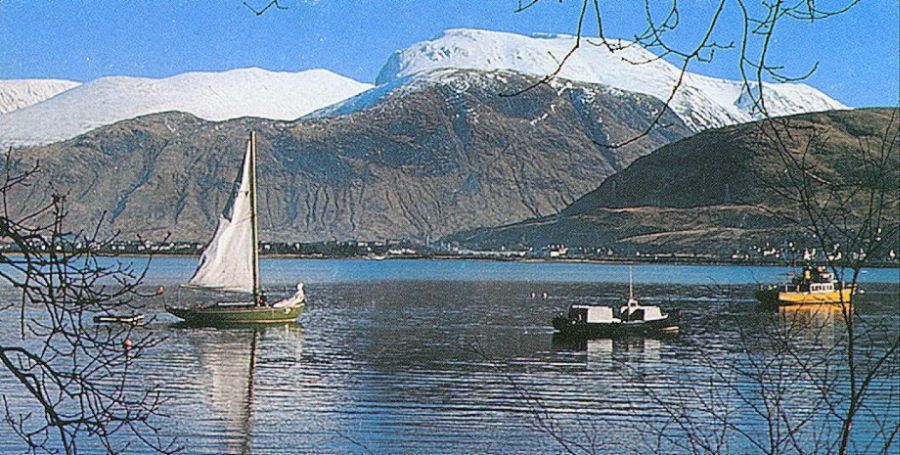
[{"x": 249, "y": 314}]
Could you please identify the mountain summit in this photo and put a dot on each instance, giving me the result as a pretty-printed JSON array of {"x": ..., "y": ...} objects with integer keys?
[{"x": 702, "y": 102}]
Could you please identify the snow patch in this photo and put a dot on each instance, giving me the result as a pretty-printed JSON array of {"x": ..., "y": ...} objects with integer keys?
[{"x": 18, "y": 93}]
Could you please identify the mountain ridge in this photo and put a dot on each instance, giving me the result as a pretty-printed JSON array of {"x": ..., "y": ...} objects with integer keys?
[
  {"x": 701, "y": 102},
  {"x": 449, "y": 155},
  {"x": 704, "y": 193},
  {"x": 209, "y": 95}
]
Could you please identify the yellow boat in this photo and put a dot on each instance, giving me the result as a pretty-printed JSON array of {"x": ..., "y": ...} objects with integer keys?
[
  {"x": 816, "y": 297},
  {"x": 817, "y": 286}
]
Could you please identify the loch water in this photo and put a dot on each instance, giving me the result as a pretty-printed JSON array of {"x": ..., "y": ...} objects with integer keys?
[{"x": 458, "y": 356}]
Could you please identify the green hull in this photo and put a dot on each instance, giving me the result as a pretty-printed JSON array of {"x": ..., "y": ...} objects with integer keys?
[{"x": 218, "y": 315}]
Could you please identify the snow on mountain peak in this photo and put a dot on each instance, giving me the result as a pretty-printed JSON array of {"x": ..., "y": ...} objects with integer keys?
[
  {"x": 244, "y": 92},
  {"x": 43, "y": 111},
  {"x": 702, "y": 102},
  {"x": 19, "y": 93}
]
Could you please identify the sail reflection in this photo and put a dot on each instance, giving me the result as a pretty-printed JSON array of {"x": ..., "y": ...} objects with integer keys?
[{"x": 230, "y": 359}]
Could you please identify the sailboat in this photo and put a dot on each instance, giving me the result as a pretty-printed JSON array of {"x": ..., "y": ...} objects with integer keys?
[{"x": 230, "y": 263}]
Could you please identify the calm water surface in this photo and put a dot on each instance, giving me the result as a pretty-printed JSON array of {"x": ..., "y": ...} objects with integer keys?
[{"x": 416, "y": 356}]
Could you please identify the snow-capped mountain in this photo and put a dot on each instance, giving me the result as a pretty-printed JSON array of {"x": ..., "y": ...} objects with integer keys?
[
  {"x": 44, "y": 111},
  {"x": 19, "y": 93},
  {"x": 702, "y": 102},
  {"x": 250, "y": 92},
  {"x": 415, "y": 164}
]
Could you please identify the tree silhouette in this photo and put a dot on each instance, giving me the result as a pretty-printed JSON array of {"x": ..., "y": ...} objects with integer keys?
[{"x": 78, "y": 377}]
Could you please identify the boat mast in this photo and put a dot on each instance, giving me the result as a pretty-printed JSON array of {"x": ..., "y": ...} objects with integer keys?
[
  {"x": 630, "y": 285},
  {"x": 253, "y": 218}
]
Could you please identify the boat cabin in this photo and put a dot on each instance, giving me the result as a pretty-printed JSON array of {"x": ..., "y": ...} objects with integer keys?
[
  {"x": 814, "y": 280},
  {"x": 592, "y": 314},
  {"x": 636, "y": 312},
  {"x": 821, "y": 287}
]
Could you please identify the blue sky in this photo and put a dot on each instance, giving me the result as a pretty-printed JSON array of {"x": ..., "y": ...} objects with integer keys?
[{"x": 83, "y": 40}]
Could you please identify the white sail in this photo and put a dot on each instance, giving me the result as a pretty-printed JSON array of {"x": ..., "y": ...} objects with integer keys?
[{"x": 228, "y": 261}]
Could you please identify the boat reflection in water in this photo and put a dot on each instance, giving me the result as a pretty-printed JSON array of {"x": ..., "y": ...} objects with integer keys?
[
  {"x": 601, "y": 353},
  {"x": 229, "y": 360},
  {"x": 811, "y": 323}
]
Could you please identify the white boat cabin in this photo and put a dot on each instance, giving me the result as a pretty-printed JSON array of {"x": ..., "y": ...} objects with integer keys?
[
  {"x": 592, "y": 314},
  {"x": 636, "y": 312},
  {"x": 632, "y": 312}
]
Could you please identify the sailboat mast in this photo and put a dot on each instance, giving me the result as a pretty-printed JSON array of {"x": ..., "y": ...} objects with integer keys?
[{"x": 253, "y": 218}]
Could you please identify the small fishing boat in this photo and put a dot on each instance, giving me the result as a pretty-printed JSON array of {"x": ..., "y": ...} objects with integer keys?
[
  {"x": 590, "y": 320},
  {"x": 133, "y": 319},
  {"x": 816, "y": 286},
  {"x": 230, "y": 263}
]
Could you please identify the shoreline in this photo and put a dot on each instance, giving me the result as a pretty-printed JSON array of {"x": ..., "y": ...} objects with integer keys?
[{"x": 537, "y": 260}]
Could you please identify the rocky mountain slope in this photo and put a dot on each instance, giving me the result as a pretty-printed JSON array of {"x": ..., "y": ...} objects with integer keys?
[
  {"x": 437, "y": 154},
  {"x": 702, "y": 102},
  {"x": 18, "y": 93},
  {"x": 710, "y": 192},
  {"x": 250, "y": 92}
]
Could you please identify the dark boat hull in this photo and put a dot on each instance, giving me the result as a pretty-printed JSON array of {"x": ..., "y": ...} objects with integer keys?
[
  {"x": 572, "y": 328},
  {"x": 218, "y": 315}
]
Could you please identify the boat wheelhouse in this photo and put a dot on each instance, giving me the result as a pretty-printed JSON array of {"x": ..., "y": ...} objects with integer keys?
[{"x": 592, "y": 314}]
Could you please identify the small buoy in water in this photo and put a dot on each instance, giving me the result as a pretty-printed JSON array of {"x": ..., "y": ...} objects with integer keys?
[{"x": 127, "y": 344}]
